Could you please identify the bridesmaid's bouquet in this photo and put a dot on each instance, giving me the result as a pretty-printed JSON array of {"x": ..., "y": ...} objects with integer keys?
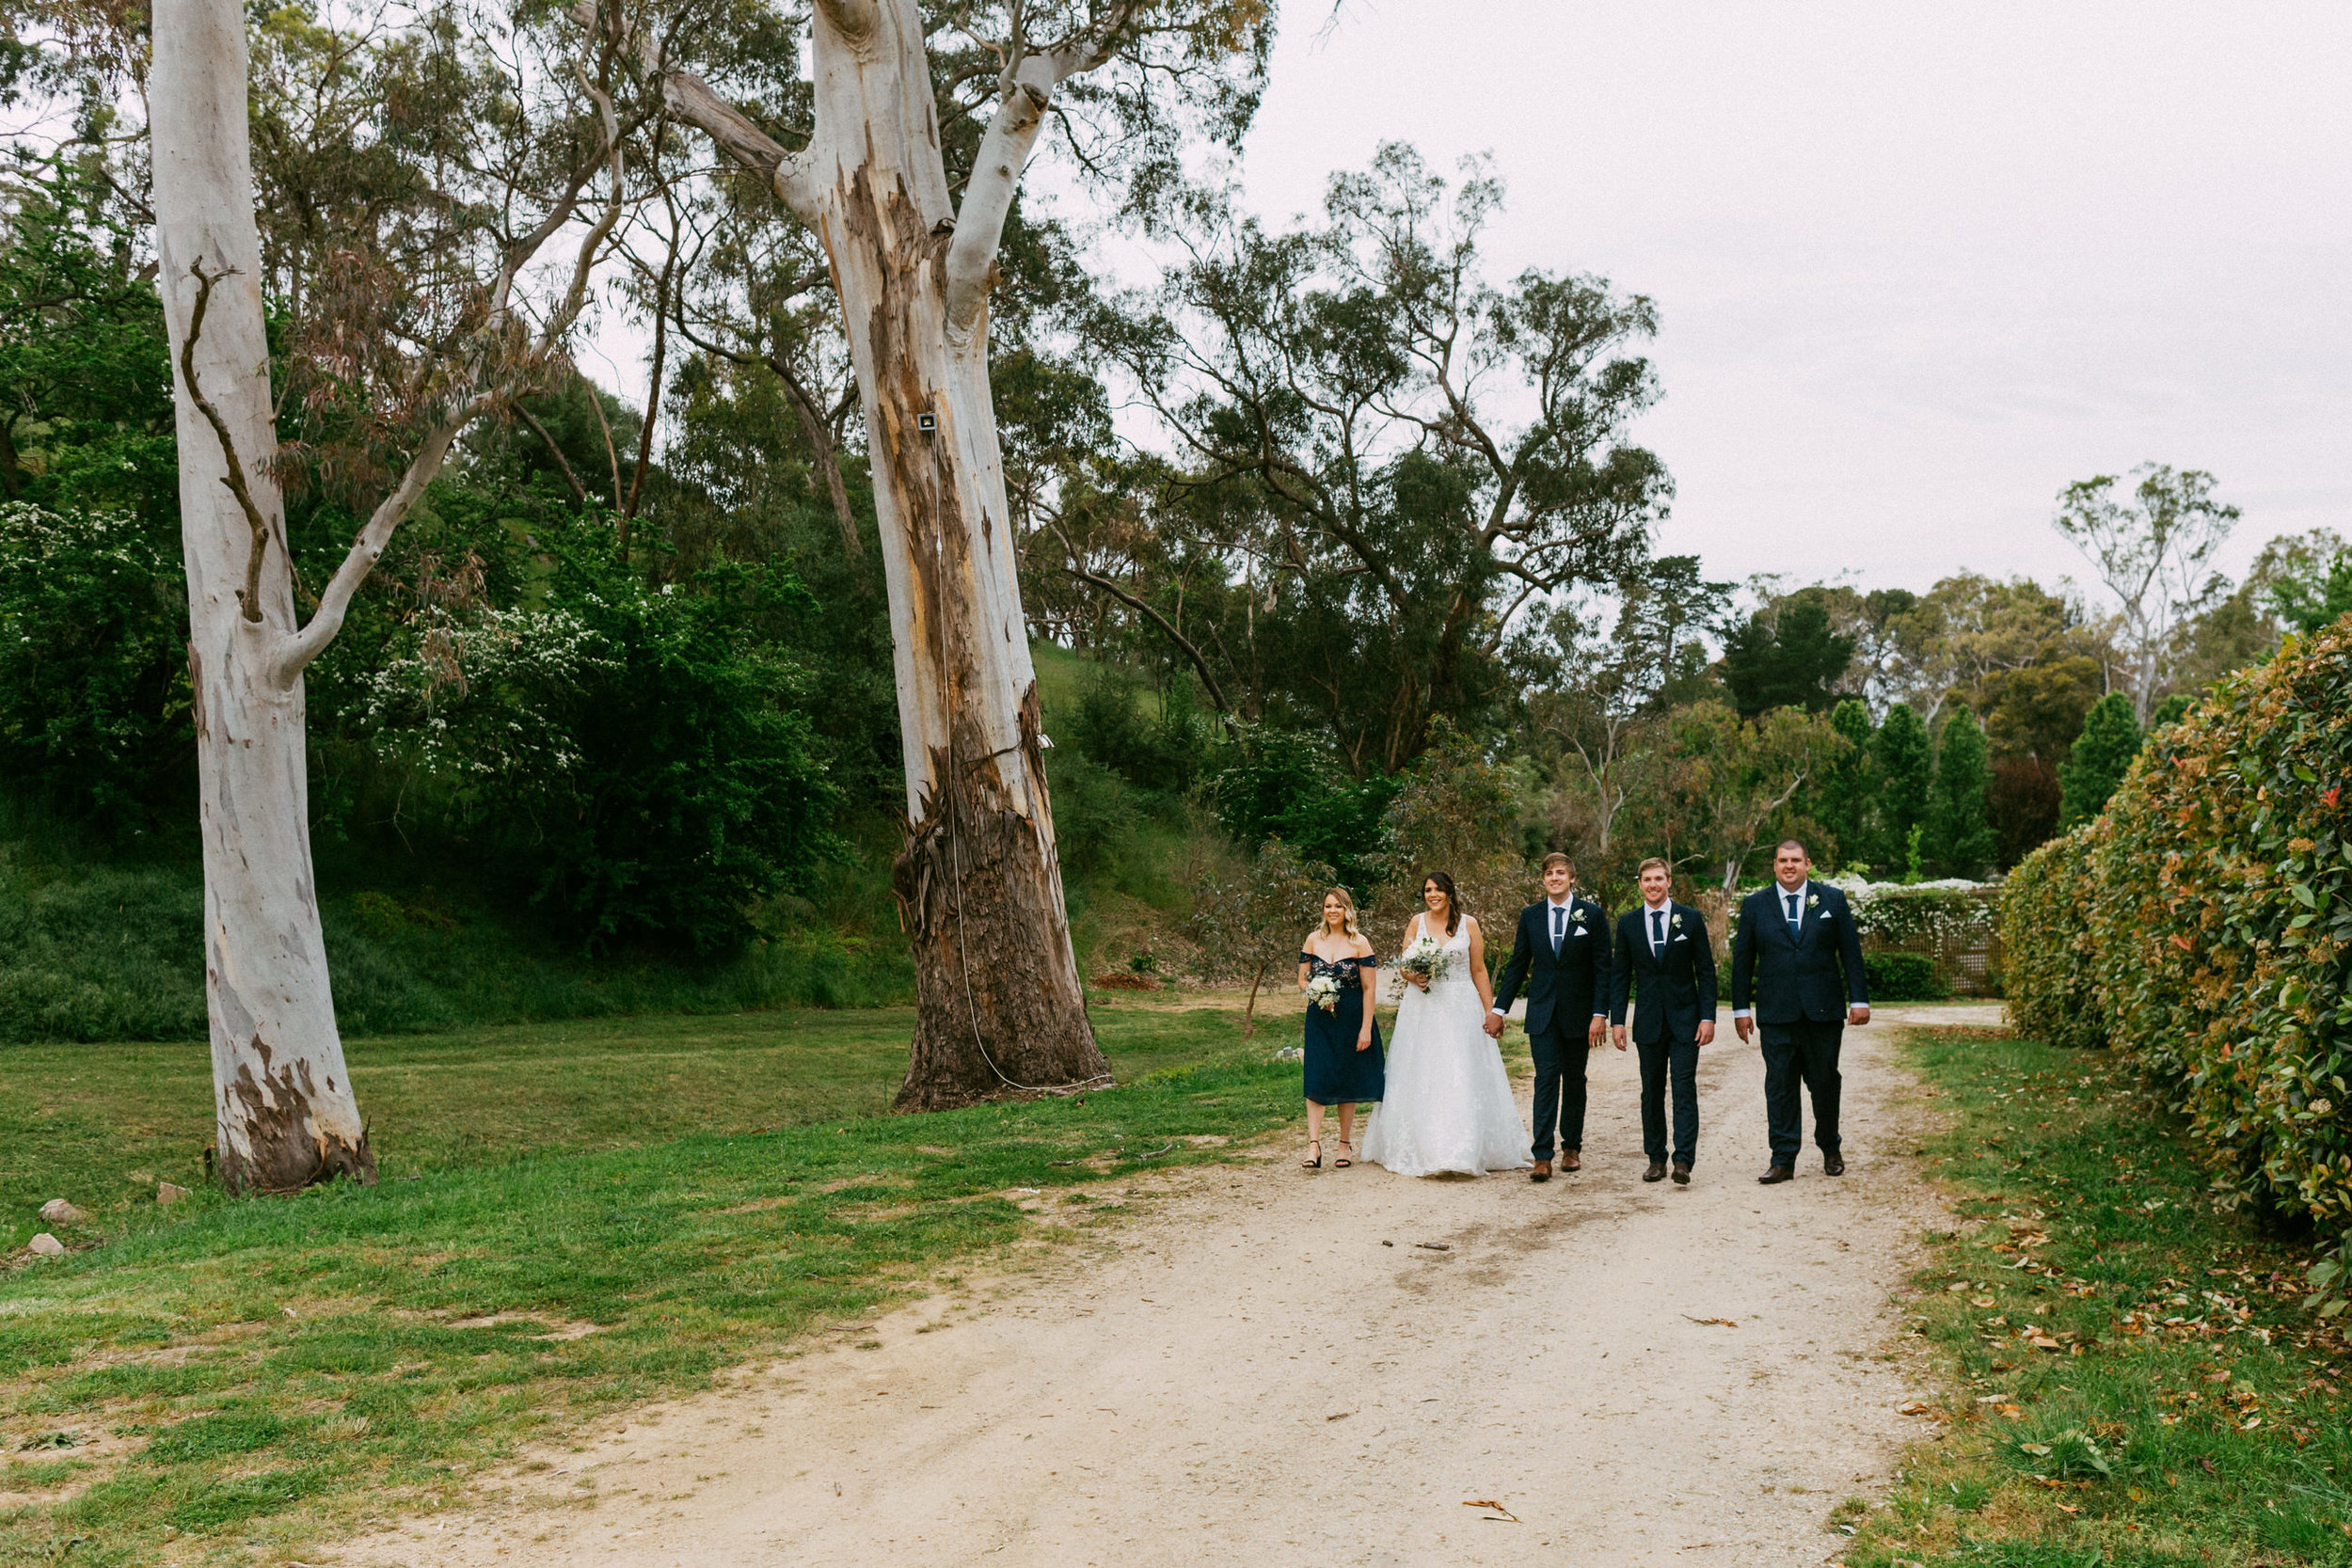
[
  {"x": 1324, "y": 991},
  {"x": 1426, "y": 961}
]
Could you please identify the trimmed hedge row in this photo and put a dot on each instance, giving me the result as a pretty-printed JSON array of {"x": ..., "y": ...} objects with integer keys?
[
  {"x": 1905, "y": 977},
  {"x": 2045, "y": 944},
  {"x": 2203, "y": 923}
]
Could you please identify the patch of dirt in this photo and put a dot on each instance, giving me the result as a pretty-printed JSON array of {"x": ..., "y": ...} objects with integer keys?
[{"x": 1267, "y": 1364}]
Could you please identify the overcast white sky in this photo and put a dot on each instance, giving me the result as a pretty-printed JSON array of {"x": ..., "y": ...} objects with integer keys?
[{"x": 1918, "y": 267}]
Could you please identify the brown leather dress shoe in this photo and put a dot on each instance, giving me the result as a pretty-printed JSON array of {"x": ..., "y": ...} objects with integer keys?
[
  {"x": 1571, "y": 1159},
  {"x": 1682, "y": 1174},
  {"x": 1833, "y": 1164},
  {"x": 1657, "y": 1172},
  {"x": 1773, "y": 1177},
  {"x": 1542, "y": 1171}
]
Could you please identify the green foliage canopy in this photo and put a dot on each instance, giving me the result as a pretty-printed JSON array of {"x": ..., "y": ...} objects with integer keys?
[
  {"x": 2110, "y": 740},
  {"x": 1787, "y": 655},
  {"x": 1960, "y": 835}
]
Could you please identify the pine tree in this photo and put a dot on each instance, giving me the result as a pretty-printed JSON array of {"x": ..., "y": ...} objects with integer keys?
[
  {"x": 1902, "y": 766},
  {"x": 1959, "y": 829},
  {"x": 2102, "y": 752},
  {"x": 1845, "y": 794}
]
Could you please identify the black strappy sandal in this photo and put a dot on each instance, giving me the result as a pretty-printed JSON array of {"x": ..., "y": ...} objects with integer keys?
[
  {"x": 1315, "y": 1163},
  {"x": 1343, "y": 1162}
]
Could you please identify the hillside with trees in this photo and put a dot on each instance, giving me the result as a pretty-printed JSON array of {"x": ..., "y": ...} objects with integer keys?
[{"x": 617, "y": 698}]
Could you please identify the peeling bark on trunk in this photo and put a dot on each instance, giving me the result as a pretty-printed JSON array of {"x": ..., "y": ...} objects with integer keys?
[
  {"x": 999, "y": 1007},
  {"x": 281, "y": 1094},
  {"x": 978, "y": 882}
]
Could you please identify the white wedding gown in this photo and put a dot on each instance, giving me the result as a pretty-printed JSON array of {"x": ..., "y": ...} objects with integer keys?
[{"x": 1448, "y": 1104}]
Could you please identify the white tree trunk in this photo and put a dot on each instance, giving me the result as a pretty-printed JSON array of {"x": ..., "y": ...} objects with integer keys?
[
  {"x": 979, "y": 883},
  {"x": 282, "y": 1097}
]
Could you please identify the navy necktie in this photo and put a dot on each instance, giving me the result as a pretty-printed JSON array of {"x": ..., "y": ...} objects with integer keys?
[
  {"x": 1794, "y": 917},
  {"x": 1559, "y": 919},
  {"x": 1658, "y": 932}
]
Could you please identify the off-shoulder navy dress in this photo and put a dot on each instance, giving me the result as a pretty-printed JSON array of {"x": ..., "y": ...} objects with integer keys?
[{"x": 1337, "y": 1073}]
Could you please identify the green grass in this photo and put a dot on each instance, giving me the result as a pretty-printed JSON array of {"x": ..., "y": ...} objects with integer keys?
[
  {"x": 571, "y": 1221},
  {"x": 2187, "y": 1408}
]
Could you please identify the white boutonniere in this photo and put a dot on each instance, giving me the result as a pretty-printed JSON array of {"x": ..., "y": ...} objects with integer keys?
[
  {"x": 1814, "y": 902},
  {"x": 1675, "y": 922}
]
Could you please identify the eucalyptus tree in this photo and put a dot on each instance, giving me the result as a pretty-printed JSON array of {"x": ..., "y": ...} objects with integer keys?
[
  {"x": 902, "y": 151},
  {"x": 1601, "y": 722},
  {"x": 464, "y": 151},
  {"x": 1401, "y": 452},
  {"x": 2154, "y": 553}
]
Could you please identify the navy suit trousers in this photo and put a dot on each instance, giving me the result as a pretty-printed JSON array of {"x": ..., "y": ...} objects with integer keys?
[
  {"x": 1561, "y": 1053},
  {"x": 1679, "y": 1062},
  {"x": 1802, "y": 1052}
]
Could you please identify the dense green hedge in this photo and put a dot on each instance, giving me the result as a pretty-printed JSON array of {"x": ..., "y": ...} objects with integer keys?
[
  {"x": 2203, "y": 923},
  {"x": 2045, "y": 944},
  {"x": 1905, "y": 977}
]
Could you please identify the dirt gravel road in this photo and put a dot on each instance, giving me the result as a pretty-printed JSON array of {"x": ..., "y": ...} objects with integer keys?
[{"x": 1272, "y": 1367}]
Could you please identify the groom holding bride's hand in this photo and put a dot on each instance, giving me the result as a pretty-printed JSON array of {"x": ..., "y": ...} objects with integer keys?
[{"x": 1560, "y": 954}]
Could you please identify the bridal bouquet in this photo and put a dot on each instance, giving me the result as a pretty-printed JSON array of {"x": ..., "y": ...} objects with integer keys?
[
  {"x": 1425, "y": 963},
  {"x": 1324, "y": 991}
]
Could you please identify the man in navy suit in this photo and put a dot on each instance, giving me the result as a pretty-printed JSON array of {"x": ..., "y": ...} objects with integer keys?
[
  {"x": 1665, "y": 945},
  {"x": 1794, "y": 939},
  {"x": 1560, "y": 954}
]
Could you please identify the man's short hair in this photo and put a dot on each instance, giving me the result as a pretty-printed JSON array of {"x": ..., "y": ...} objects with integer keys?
[
  {"x": 1556, "y": 858},
  {"x": 1796, "y": 844},
  {"x": 1654, "y": 863}
]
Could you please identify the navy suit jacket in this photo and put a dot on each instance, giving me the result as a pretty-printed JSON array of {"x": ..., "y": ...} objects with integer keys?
[
  {"x": 1567, "y": 990},
  {"x": 1794, "y": 976},
  {"x": 1677, "y": 990}
]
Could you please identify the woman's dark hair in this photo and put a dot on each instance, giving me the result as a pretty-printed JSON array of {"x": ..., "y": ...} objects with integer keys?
[{"x": 1452, "y": 900}]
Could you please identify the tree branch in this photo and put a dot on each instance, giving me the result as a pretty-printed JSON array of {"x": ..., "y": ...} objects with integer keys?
[
  {"x": 752, "y": 149},
  {"x": 979, "y": 224},
  {"x": 579, "y": 491},
  {"x": 249, "y": 596},
  {"x": 661, "y": 346},
  {"x": 296, "y": 652},
  {"x": 1025, "y": 87},
  {"x": 1200, "y": 661},
  {"x": 335, "y": 602},
  {"x": 824, "y": 450}
]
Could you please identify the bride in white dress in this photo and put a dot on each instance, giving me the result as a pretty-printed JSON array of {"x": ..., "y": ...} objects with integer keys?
[{"x": 1447, "y": 1105}]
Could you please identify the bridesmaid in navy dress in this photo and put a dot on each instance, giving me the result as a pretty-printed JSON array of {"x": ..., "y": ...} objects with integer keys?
[{"x": 1342, "y": 1049}]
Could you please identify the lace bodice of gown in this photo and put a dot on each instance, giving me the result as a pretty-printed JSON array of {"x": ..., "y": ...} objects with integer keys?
[{"x": 1458, "y": 972}]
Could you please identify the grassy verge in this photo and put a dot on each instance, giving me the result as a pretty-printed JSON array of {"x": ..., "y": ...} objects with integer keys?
[
  {"x": 2133, "y": 1381},
  {"x": 221, "y": 1381}
]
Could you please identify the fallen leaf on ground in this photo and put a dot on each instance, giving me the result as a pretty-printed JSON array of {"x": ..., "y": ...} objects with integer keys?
[
  {"x": 1721, "y": 1323},
  {"x": 1508, "y": 1516}
]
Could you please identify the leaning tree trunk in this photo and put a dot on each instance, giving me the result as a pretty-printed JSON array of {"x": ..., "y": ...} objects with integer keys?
[
  {"x": 978, "y": 882},
  {"x": 282, "y": 1097}
]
